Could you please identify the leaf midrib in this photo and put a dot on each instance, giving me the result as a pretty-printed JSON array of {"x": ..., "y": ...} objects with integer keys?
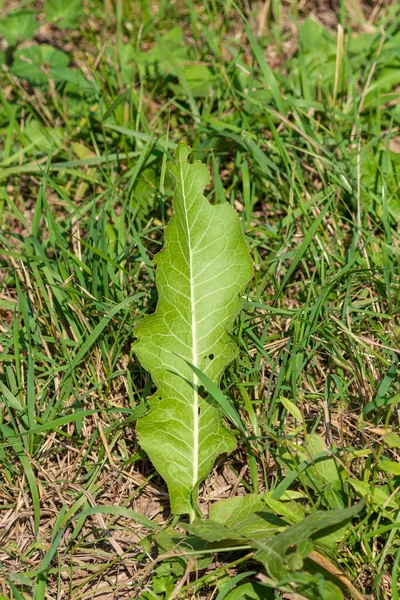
[{"x": 194, "y": 342}]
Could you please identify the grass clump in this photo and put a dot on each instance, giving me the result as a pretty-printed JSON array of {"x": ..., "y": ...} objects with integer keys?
[{"x": 294, "y": 109}]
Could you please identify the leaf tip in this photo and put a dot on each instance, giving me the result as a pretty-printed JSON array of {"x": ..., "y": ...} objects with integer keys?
[{"x": 182, "y": 152}]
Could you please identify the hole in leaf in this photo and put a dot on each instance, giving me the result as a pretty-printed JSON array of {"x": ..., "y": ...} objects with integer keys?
[
  {"x": 211, "y": 356},
  {"x": 198, "y": 411},
  {"x": 201, "y": 391}
]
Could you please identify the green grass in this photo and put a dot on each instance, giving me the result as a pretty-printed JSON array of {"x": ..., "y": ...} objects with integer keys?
[{"x": 299, "y": 126}]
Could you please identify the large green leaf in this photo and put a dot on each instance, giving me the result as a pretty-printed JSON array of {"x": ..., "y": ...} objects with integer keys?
[
  {"x": 18, "y": 26},
  {"x": 201, "y": 275}
]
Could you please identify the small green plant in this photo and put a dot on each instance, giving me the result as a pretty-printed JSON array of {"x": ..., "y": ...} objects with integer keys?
[
  {"x": 186, "y": 345},
  {"x": 201, "y": 274}
]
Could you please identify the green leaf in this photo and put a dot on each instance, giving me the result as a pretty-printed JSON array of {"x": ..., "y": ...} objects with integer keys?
[
  {"x": 290, "y": 510},
  {"x": 8, "y": 435},
  {"x": 224, "y": 402},
  {"x": 169, "y": 540},
  {"x": 247, "y": 515},
  {"x": 199, "y": 78},
  {"x": 237, "y": 520},
  {"x": 232, "y": 582},
  {"x": 43, "y": 138},
  {"x": 273, "y": 552},
  {"x": 378, "y": 495},
  {"x": 392, "y": 440},
  {"x": 65, "y": 13},
  {"x": 201, "y": 275},
  {"x": 119, "y": 511},
  {"x": 380, "y": 398},
  {"x": 266, "y": 71},
  {"x": 18, "y": 26},
  {"x": 381, "y": 401},
  {"x": 10, "y": 399},
  {"x": 291, "y": 408},
  {"x": 168, "y": 47},
  {"x": 38, "y": 63},
  {"x": 389, "y": 466},
  {"x": 325, "y": 477},
  {"x": 215, "y": 532},
  {"x": 251, "y": 591}
]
